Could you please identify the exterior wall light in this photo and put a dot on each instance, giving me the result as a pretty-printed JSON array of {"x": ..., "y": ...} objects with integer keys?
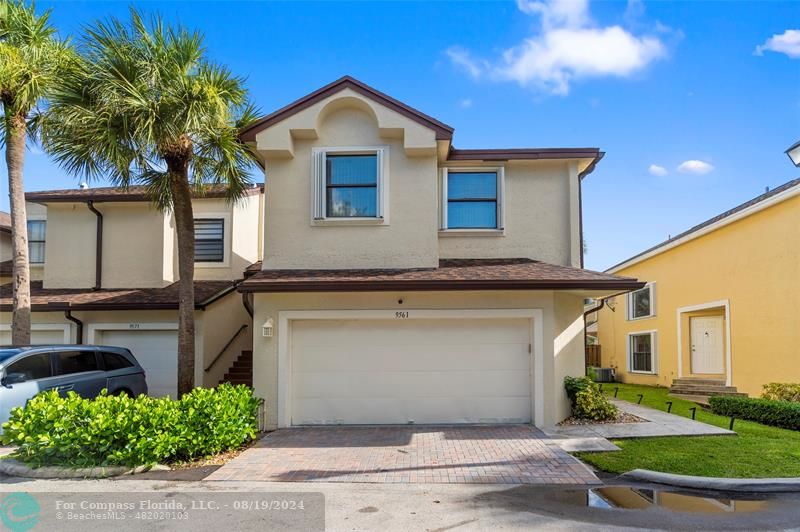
[
  {"x": 794, "y": 154},
  {"x": 266, "y": 329}
]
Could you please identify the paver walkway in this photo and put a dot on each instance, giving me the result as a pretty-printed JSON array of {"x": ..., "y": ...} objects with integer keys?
[
  {"x": 656, "y": 424},
  {"x": 508, "y": 454}
]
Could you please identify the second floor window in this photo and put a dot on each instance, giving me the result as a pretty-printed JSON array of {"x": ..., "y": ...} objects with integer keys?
[
  {"x": 472, "y": 199},
  {"x": 641, "y": 303},
  {"x": 36, "y": 238},
  {"x": 349, "y": 185},
  {"x": 209, "y": 240}
]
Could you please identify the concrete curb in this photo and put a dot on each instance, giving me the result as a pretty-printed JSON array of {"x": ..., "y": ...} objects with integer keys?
[
  {"x": 750, "y": 485},
  {"x": 15, "y": 468}
]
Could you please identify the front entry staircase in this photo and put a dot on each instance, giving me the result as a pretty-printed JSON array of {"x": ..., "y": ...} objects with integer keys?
[
  {"x": 699, "y": 390},
  {"x": 241, "y": 371}
]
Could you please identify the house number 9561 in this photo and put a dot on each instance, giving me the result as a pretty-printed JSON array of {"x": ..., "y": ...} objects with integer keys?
[{"x": 401, "y": 315}]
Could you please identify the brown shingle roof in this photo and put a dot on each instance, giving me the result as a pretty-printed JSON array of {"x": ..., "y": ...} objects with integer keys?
[
  {"x": 115, "y": 299},
  {"x": 5, "y": 222},
  {"x": 452, "y": 274},
  {"x": 110, "y": 194}
]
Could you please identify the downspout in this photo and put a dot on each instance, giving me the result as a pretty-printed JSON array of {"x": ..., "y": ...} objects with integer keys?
[
  {"x": 247, "y": 305},
  {"x": 98, "y": 263},
  {"x": 78, "y": 323}
]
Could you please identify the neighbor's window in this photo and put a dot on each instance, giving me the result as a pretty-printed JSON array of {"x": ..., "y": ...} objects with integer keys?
[
  {"x": 348, "y": 184},
  {"x": 209, "y": 240},
  {"x": 36, "y": 237},
  {"x": 641, "y": 303},
  {"x": 472, "y": 199},
  {"x": 641, "y": 352}
]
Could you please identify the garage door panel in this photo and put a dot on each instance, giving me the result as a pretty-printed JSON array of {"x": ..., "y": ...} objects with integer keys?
[
  {"x": 401, "y": 371},
  {"x": 428, "y": 411},
  {"x": 157, "y": 353},
  {"x": 409, "y": 332},
  {"x": 404, "y": 357},
  {"x": 40, "y": 337},
  {"x": 373, "y": 385}
]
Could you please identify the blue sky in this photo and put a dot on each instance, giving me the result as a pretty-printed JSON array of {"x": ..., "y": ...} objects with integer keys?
[{"x": 711, "y": 86}]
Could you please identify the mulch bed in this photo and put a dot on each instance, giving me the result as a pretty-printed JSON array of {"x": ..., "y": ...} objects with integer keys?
[{"x": 622, "y": 417}]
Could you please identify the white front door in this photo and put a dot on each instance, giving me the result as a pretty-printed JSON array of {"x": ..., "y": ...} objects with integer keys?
[
  {"x": 376, "y": 371},
  {"x": 708, "y": 345},
  {"x": 157, "y": 353}
]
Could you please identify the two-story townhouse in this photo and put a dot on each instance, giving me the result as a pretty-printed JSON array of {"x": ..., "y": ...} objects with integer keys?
[
  {"x": 407, "y": 281},
  {"x": 104, "y": 271}
]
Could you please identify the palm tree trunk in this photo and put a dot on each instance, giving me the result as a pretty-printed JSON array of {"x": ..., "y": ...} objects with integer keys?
[
  {"x": 15, "y": 158},
  {"x": 184, "y": 224}
]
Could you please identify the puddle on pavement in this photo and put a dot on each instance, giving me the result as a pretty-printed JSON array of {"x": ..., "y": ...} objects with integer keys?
[{"x": 632, "y": 498}]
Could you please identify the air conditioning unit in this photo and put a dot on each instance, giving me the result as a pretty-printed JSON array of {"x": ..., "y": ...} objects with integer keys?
[{"x": 601, "y": 374}]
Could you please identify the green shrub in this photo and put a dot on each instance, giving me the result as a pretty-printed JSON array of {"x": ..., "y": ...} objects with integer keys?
[
  {"x": 782, "y": 391},
  {"x": 120, "y": 430},
  {"x": 587, "y": 401},
  {"x": 776, "y": 413}
]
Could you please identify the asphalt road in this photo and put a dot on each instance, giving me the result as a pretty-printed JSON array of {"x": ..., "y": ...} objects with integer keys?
[{"x": 384, "y": 507}]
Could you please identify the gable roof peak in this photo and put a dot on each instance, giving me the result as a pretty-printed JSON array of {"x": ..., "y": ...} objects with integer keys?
[{"x": 443, "y": 131}]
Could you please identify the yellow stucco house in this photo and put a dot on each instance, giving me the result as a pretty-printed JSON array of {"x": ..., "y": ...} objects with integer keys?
[{"x": 721, "y": 310}]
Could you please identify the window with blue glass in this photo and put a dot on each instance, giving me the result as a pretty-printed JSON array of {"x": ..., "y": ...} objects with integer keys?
[
  {"x": 351, "y": 186},
  {"x": 472, "y": 200}
]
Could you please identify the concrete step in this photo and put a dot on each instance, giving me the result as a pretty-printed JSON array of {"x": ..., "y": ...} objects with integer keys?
[
  {"x": 699, "y": 399},
  {"x": 703, "y": 390},
  {"x": 243, "y": 364},
  {"x": 710, "y": 382},
  {"x": 705, "y": 394},
  {"x": 240, "y": 371}
]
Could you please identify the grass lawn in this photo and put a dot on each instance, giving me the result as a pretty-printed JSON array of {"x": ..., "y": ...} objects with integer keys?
[{"x": 757, "y": 451}]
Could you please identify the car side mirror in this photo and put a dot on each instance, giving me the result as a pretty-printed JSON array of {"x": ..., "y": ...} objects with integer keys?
[{"x": 13, "y": 378}]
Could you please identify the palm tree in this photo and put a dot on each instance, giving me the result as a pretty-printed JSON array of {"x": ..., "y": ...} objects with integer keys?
[
  {"x": 145, "y": 106},
  {"x": 31, "y": 62}
]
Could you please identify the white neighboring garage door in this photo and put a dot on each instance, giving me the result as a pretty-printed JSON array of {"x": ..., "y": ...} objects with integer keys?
[
  {"x": 398, "y": 371},
  {"x": 155, "y": 349},
  {"x": 41, "y": 334}
]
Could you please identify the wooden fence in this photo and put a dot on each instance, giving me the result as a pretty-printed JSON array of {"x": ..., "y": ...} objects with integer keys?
[{"x": 593, "y": 355}]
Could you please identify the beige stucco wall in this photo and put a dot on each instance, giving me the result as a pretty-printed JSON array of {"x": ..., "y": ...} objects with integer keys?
[
  {"x": 562, "y": 338},
  {"x": 408, "y": 240},
  {"x": 538, "y": 220},
  {"x": 215, "y": 327},
  {"x": 69, "y": 246}
]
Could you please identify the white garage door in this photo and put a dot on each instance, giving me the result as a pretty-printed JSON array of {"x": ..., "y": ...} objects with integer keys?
[
  {"x": 156, "y": 351},
  {"x": 38, "y": 337},
  {"x": 404, "y": 371}
]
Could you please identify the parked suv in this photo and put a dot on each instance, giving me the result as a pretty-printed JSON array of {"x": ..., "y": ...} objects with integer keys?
[{"x": 84, "y": 369}]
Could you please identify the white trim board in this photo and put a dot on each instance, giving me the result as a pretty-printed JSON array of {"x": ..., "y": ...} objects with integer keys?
[
  {"x": 285, "y": 318},
  {"x": 65, "y": 327},
  {"x": 722, "y": 303},
  {"x": 760, "y": 206}
]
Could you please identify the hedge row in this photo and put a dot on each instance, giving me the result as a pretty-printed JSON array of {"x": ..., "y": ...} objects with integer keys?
[
  {"x": 121, "y": 430},
  {"x": 776, "y": 413}
]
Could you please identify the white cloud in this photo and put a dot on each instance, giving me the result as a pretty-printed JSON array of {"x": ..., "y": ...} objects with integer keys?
[
  {"x": 568, "y": 47},
  {"x": 693, "y": 166},
  {"x": 657, "y": 170},
  {"x": 787, "y": 43},
  {"x": 465, "y": 103},
  {"x": 463, "y": 59}
]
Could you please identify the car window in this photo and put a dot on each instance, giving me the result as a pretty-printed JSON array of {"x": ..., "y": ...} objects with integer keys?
[
  {"x": 33, "y": 367},
  {"x": 114, "y": 361},
  {"x": 76, "y": 362}
]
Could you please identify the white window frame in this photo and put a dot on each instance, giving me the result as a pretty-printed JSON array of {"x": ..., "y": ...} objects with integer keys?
[
  {"x": 226, "y": 238},
  {"x": 38, "y": 218},
  {"x": 501, "y": 200},
  {"x": 319, "y": 195},
  {"x": 629, "y": 303},
  {"x": 653, "y": 351}
]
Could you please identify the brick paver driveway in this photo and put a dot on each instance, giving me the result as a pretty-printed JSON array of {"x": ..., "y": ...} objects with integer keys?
[{"x": 509, "y": 454}]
